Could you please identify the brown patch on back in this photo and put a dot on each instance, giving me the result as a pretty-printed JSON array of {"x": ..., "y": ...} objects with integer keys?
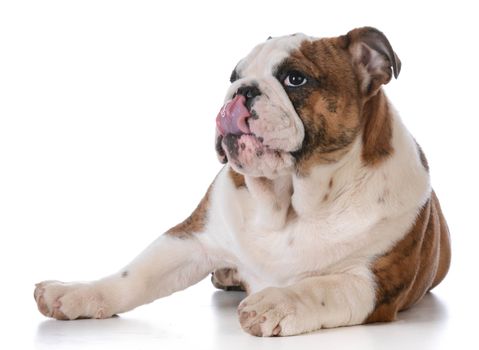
[
  {"x": 377, "y": 131},
  {"x": 415, "y": 265},
  {"x": 195, "y": 223},
  {"x": 237, "y": 178}
]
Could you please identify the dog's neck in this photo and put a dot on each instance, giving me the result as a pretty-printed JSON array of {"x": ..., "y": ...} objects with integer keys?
[
  {"x": 273, "y": 200},
  {"x": 327, "y": 181},
  {"x": 282, "y": 198}
]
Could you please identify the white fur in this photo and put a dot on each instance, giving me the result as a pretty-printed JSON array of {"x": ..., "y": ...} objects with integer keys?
[{"x": 169, "y": 264}]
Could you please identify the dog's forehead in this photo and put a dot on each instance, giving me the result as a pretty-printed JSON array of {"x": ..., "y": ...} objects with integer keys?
[{"x": 266, "y": 56}]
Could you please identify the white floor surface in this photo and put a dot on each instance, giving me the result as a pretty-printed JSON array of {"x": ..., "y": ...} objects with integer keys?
[{"x": 204, "y": 318}]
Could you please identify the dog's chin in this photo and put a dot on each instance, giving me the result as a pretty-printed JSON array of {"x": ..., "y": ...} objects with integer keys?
[{"x": 248, "y": 155}]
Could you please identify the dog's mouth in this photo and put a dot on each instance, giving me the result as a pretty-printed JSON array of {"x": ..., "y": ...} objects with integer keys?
[
  {"x": 234, "y": 144},
  {"x": 245, "y": 150},
  {"x": 234, "y": 133},
  {"x": 249, "y": 155}
]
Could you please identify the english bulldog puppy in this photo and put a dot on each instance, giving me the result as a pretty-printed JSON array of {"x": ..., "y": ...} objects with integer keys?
[{"x": 324, "y": 211}]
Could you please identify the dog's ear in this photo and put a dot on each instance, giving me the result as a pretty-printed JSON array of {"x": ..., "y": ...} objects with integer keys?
[{"x": 373, "y": 57}]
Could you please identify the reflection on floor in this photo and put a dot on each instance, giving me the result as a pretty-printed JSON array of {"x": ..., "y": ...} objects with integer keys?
[{"x": 202, "y": 318}]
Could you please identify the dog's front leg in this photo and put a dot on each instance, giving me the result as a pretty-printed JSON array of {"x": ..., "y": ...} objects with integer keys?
[
  {"x": 173, "y": 262},
  {"x": 313, "y": 303}
]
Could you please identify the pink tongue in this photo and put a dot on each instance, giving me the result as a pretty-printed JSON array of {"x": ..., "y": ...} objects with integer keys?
[{"x": 232, "y": 117}]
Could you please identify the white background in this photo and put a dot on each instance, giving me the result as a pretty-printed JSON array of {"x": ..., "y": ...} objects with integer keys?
[{"x": 107, "y": 113}]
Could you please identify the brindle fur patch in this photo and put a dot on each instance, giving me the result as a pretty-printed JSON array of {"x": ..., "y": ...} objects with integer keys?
[
  {"x": 328, "y": 104},
  {"x": 238, "y": 179},
  {"x": 195, "y": 223},
  {"x": 377, "y": 131},
  {"x": 415, "y": 265},
  {"x": 333, "y": 108}
]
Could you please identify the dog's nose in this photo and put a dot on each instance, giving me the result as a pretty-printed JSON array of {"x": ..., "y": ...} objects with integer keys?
[{"x": 249, "y": 92}]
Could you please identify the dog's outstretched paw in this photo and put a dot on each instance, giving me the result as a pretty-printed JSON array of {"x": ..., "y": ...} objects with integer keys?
[{"x": 69, "y": 301}]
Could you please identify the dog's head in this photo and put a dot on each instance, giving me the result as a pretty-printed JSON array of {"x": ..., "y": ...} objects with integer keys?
[{"x": 295, "y": 100}]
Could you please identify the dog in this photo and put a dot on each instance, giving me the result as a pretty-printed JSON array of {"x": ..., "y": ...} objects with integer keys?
[{"x": 323, "y": 212}]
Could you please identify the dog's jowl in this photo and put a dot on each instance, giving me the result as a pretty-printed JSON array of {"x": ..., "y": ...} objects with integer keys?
[{"x": 323, "y": 212}]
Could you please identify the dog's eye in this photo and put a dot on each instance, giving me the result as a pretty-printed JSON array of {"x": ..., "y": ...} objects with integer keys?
[{"x": 295, "y": 79}]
